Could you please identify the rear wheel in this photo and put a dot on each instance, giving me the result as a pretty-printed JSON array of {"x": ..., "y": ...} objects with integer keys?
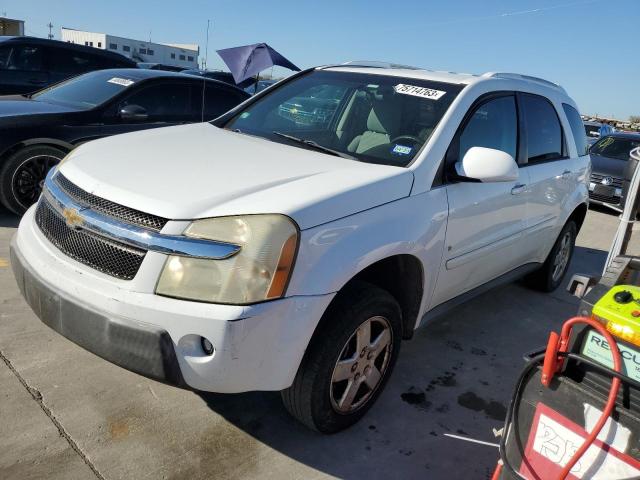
[
  {"x": 23, "y": 174},
  {"x": 348, "y": 361},
  {"x": 550, "y": 275}
]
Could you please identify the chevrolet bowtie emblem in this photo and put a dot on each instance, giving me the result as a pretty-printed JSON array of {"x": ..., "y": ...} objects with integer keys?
[{"x": 72, "y": 218}]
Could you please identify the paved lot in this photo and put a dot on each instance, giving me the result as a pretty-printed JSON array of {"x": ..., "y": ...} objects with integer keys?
[{"x": 66, "y": 414}]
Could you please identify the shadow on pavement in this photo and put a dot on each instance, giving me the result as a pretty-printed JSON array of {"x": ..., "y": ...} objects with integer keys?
[
  {"x": 456, "y": 376},
  {"x": 8, "y": 219}
]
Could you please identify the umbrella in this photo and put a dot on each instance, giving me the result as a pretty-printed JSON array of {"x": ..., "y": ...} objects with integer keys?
[{"x": 249, "y": 60}]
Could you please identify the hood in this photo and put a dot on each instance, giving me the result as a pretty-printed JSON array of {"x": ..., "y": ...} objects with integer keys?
[
  {"x": 610, "y": 167},
  {"x": 198, "y": 171},
  {"x": 15, "y": 105}
]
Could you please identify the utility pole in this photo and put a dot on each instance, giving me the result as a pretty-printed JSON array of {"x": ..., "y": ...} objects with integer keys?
[
  {"x": 50, "y": 25},
  {"x": 206, "y": 48}
]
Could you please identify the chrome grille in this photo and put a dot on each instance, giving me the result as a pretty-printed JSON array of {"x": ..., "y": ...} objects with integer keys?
[
  {"x": 597, "y": 178},
  {"x": 110, "y": 208},
  {"x": 605, "y": 198},
  {"x": 107, "y": 256}
]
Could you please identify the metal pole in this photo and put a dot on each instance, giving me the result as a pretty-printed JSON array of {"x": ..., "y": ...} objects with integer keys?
[
  {"x": 632, "y": 201},
  {"x": 206, "y": 48}
]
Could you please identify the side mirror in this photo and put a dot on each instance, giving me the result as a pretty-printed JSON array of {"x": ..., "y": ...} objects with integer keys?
[
  {"x": 487, "y": 165},
  {"x": 133, "y": 113}
]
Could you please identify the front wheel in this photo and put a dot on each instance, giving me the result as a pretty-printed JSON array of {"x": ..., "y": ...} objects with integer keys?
[
  {"x": 348, "y": 361},
  {"x": 550, "y": 275},
  {"x": 23, "y": 174}
]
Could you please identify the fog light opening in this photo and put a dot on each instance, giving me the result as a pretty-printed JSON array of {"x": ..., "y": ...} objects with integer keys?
[{"x": 207, "y": 346}]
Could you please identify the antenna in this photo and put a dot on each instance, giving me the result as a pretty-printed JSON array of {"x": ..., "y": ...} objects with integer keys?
[
  {"x": 206, "y": 48},
  {"x": 50, "y": 25}
]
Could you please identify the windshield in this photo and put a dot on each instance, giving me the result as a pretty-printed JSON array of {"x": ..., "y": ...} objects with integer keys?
[
  {"x": 86, "y": 91},
  {"x": 592, "y": 130},
  {"x": 372, "y": 118},
  {"x": 613, "y": 147}
]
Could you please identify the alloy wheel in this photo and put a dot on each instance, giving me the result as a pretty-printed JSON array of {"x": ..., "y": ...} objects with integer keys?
[
  {"x": 29, "y": 177},
  {"x": 561, "y": 259},
  {"x": 361, "y": 365}
]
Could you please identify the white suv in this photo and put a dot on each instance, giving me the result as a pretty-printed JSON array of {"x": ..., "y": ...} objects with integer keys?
[{"x": 292, "y": 243}]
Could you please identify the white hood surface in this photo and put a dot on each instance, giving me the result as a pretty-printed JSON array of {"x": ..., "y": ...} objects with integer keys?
[{"x": 199, "y": 171}]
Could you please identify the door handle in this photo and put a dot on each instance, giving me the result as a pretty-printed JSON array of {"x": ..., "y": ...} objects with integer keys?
[
  {"x": 566, "y": 173},
  {"x": 518, "y": 189}
]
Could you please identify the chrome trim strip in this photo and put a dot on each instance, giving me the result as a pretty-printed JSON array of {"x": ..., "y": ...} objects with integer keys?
[{"x": 87, "y": 219}]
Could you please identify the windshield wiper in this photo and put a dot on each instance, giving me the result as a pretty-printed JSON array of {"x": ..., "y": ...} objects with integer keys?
[{"x": 317, "y": 146}]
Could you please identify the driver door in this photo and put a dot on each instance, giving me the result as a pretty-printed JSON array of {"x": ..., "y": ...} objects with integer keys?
[{"x": 486, "y": 220}]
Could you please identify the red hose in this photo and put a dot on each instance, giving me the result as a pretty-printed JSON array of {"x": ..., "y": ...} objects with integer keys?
[{"x": 613, "y": 391}]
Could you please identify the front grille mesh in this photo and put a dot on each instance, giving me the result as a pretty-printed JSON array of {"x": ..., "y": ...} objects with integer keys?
[
  {"x": 112, "y": 258},
  {"x": 597, "y": 178},
  {"x": 604, "y": 198},
  {"x": 110, "y": 208}
]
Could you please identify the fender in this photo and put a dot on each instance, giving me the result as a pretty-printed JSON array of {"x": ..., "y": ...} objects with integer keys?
[
  {"x": 39, "y": 141},
  {"x": 334, "y": 253}
]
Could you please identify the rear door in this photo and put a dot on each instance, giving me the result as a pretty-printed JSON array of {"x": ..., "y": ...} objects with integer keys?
[
  {"x": 486, "y": 220},
  {"x": 22, "y": 68},
  {"x": 552, "y": 173}
]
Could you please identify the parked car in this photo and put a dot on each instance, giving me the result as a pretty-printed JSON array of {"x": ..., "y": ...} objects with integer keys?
[
  {"x": 225, "y": 77},
  {"x": 28, "y": 64},
  {"x": 160, "y": 66},
  {"x": 592, "y": 129},
  {"x": 262, "y": 84},
  {"x": 257, "y": 253},
  {"x": 609, "y": 159},
  {"x": 37, "y": 131}
]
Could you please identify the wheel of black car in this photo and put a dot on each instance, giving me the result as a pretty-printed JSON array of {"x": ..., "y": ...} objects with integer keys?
[
  {"x": 348, "y": 361},
  {"x": 23, "y": 173},
  {"x": 550, "y": 275}
]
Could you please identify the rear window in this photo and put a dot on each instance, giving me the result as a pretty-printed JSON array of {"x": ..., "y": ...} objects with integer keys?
[
  {"x": 544, "y": 133},
  {"x": 577, "y": 128}
]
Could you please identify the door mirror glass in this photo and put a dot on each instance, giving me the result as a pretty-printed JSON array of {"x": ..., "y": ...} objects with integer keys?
[
  {"x": 133, "y": 113},
  {"x": 487, "y": 165}
]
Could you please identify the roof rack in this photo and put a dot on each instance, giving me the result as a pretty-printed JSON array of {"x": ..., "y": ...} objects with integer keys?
[
  {"x": 377, "y": 64},
  {"x": 518, "y": 76}
]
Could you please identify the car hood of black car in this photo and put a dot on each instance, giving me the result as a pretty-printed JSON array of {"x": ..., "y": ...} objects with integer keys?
[
  {"x": 610, "y": 167},
  {"x": 12, "y": 106}
]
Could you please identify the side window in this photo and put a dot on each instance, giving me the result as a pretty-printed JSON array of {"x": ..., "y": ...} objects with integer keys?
[
  {"x": 218, "y": 101},
  {"x": 577, "y": 128},
  {"x": 71, "y": 62},
  {"x": 27, "y": 58},
  {"x": 163, "y": 103},
  {"x": 543, "y": 129},
  {"x": 5, "y": 53},
  {"x": 494, "y": 124}
]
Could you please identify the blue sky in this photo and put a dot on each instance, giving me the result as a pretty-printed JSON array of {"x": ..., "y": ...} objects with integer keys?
[{"x": 591, "y": 47}]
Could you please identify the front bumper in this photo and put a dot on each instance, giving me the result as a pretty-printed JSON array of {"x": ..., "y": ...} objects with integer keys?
[
  {"x": 257, "y": 347},
  {"x": 141, "y": 349}
]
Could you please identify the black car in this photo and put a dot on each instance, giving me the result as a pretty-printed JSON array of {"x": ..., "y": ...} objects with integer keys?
[
  {"x": 225, "y": 77},
  {"x": 609, "y": 159},
  {"x": 38, "y": 130},
  {"x": 28, "y": 64}
]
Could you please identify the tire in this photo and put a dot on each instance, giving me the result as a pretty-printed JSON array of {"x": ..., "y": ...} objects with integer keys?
[
  {"x": 547, "y": 279},
  {"x": 22, "y": 174},
  {"x": 319, "y": 399}
]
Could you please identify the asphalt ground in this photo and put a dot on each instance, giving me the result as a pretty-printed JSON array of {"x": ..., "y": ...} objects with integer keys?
[{"x": 67, "y": 414}]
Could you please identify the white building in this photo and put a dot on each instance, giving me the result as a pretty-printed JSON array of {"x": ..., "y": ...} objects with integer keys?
[
  {"x": 12, "y": 27},
  {"x": 177, "y": 55}
]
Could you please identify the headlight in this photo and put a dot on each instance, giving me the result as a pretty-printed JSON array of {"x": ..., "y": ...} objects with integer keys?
[{"x": 259, "y": 271}]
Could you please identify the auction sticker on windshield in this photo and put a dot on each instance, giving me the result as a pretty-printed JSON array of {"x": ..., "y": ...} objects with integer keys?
[
  {"x": 422, "y": 92},
  {"x": 125, "y": 82}
]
